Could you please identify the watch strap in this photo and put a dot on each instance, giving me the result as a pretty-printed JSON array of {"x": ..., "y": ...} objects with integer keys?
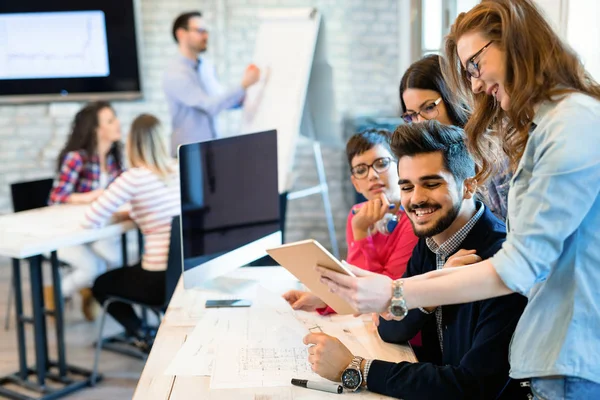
[
  {"x": 356, "y": 361},
  {"x": 397, "y": 289}
]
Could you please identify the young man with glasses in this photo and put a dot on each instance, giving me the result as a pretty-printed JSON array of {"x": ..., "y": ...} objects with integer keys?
[
  {"x": 374, "y": 174},
  {"x": 194, "y": 95},
  {"x": 465, "y": 346}
]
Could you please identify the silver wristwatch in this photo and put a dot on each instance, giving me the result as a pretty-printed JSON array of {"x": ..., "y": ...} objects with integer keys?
[
  {"x": 398, "y": 307},
  {"x": 352, "y": 377}
]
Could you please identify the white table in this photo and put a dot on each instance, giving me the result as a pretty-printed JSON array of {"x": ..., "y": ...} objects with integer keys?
[
  {"x": 27, "y": 235},
  {"x": 185, "y": 310},
  {"x": 43, "y": 230}
]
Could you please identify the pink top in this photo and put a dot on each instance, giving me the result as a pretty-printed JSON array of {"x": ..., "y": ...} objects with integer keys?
[{"x": 383, "y": 254}]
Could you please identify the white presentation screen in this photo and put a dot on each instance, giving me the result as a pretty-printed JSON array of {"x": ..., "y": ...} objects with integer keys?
[{"x": 47, "y": 45}]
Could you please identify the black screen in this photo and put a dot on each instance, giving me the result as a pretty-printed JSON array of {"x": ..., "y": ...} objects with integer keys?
[
  {"x": 97, "y": 50},
  {"x": 229, "y": 194}
]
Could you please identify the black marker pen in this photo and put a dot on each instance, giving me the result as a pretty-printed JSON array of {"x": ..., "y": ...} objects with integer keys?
[{"x": 323, "y": 386}]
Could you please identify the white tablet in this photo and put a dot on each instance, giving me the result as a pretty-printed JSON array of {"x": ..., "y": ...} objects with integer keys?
[{"x": 300, "y": 258}]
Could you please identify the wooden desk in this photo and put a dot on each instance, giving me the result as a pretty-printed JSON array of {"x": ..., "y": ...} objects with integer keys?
[
  {"x": 185, "y": 311},
  {"x": 26, "y": 235}
]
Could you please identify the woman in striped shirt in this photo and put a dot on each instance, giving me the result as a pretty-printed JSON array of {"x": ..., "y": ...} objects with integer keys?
[{"x": 151, "y": 185}]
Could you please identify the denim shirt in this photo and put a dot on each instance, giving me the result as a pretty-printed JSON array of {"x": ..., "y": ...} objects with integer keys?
[
  {"x": 552, "y": 250},
  {"x": 495, "y": 195}
]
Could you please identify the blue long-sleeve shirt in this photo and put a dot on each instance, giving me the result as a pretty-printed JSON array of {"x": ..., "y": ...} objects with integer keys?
[
  {"x": 552, "y": 250},
  {"x": 195, "y": 97},
  {"x": 476, "y": 337}
]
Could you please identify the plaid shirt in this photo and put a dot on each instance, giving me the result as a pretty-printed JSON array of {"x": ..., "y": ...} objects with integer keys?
[
  {"x": 80, "y": 174},
  {"x": 444, "y": 251}
]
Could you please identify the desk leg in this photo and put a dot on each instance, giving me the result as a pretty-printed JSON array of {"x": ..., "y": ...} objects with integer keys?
[
  {"x": 58, "y": 315},
  {"x": 124, "y": 249},
  {"x": 19, "y": 318},
  {"x": 39, "y": 319},
  {"x": 61, "y": 384}
]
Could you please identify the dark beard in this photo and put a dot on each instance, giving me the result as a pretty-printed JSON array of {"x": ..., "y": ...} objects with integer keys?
[{"x": 442, "y": 224}]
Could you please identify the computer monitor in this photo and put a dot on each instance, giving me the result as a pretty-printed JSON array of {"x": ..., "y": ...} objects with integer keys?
[{"x": 229, "y": 204}]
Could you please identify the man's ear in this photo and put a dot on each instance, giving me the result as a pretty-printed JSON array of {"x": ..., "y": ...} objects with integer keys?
[
  {"x": 178, "y": 33},
  {"x": 470, "y": 187}
]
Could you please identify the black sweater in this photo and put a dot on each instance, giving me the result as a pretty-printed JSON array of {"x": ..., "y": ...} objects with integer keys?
[{"x": 476, "y": 337}]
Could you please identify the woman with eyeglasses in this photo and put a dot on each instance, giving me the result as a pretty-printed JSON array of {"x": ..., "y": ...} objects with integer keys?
[
  {"x": 374, "y": 174},
  {"x": 544, "y": 106},
  {"x": 425, "y": 95}
]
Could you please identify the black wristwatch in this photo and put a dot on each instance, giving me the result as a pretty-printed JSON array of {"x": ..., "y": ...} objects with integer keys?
[{"x": 352, "y": 377}]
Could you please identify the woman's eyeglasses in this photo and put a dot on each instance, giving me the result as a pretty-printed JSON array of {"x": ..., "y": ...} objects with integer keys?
[
  {"x": 428, "y": 111},
  {"x": 361, "y": 171},
  {"x": 472, "y": 68}
]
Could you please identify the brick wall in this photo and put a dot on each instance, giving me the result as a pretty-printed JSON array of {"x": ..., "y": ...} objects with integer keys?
[{"x": 363, "y": 49}]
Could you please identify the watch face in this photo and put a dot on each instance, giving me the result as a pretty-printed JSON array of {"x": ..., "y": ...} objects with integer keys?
[
  {"x": 397, "y": 310},
  {"x": 351, "y": 379}
]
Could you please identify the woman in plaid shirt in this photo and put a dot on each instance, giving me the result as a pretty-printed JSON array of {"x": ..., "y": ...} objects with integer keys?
[
  {"x": 92, "y": 156},
  {"x": 91, "y": 159}
]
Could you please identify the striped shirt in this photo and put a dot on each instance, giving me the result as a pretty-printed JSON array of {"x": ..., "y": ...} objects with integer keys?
[{"x": 154, "y": 203}]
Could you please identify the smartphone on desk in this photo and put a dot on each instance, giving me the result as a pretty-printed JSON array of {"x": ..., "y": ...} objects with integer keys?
[{"x": 228, "y": 303}]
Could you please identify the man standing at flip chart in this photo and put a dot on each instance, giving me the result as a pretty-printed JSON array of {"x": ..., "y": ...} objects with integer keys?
[{"x": 193, "y": 93}]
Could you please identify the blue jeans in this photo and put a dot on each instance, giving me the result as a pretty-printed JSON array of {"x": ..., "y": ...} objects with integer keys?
[{"x": 564, "y": 388}]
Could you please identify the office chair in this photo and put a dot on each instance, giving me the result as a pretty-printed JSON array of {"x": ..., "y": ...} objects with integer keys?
[
  {"x": 27, "y": 196},
  {"x": 174, "y": 270}
]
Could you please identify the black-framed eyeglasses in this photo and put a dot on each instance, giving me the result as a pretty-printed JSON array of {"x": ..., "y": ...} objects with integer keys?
[
  {"x": 361, "y": 171},
  {"x": 428, "y": 111},
  {"x": 472, "y": 68}
]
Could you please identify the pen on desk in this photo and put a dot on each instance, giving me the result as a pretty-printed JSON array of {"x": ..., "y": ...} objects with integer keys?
[{"x": 323, "y": 386}]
